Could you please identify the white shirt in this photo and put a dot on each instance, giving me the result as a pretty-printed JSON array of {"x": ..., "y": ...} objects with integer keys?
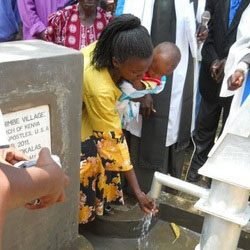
[{"x": 185, "y": 38}]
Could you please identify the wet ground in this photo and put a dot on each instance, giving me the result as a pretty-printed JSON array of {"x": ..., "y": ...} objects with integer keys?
[{"x": 161, "y": 237}]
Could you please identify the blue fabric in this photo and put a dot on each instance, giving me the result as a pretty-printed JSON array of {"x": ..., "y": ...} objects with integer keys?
[
  {"x": 234, "y": 5},
  {"x": 120, "y": 7},
  {"x": 9, "y": 20},
  {"x": 246, "y": 91},
  {"x": 130, "y": 112},
  {"x": 141, "y": 93}
]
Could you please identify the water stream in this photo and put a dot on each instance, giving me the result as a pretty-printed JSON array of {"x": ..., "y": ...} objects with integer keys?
[{"x": 143, "y": 239}]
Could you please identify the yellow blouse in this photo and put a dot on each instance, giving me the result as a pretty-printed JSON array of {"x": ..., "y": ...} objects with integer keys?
[{"x": 100, "y": 118}]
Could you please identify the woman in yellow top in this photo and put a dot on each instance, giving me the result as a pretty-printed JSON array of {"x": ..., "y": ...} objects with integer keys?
[{"x": 123, "y": 51}]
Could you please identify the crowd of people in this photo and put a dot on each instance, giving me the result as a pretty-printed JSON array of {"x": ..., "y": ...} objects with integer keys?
[
  {"x": 139, "y": 91},
  {"x": 73, "y": 24}
]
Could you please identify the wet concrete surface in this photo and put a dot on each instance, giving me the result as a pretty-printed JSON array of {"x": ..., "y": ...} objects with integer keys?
[
  {"x": 161, "y": 237},
  {"x": 80, "y": 243},
  {"x": 129, "y": 218}
]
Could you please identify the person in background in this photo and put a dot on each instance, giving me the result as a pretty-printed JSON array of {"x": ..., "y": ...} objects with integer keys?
[
  {"x": 78, "y": 25},
  {"x": 9, "y": 20},
  {"x": 108, "y": 5},
  {"x": 18, "y": 187},
  {"x": 34, "y": 15},
  {"x": 225, "y": 19},
  {"x": 123, "y": 51}
]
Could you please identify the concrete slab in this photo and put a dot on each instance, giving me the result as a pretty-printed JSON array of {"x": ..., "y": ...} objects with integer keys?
[
  {"x": 121, "y": 224},
  {"x": 80, "y": 243},
  {"x": 161, "y": 237}
]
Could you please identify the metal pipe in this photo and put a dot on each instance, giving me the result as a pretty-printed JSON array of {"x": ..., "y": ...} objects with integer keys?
[
  {"x": 175, "y": 183},
  {"x": 225, "y": 206},
  {"x": 226, "y": 212},
  {"x": 218, "y": 234},
  {"x": 227, "y": 198}
]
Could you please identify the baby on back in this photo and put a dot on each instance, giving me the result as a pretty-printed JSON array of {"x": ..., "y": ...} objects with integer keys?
[{"x": 166, "y": 57}]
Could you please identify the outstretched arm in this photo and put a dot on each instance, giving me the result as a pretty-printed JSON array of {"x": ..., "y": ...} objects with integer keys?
[
  {"x": 23, "y": 185},
  {"x": 146, "y": 204},
  {"x": 20, "y": 186},
  {"x": 112, "y": 146}
]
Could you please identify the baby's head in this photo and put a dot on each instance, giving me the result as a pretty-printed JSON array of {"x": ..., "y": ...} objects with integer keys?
[{"x": 166, "y": 57}]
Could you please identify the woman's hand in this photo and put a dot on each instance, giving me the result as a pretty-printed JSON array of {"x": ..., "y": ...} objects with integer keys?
[{"x": 147, "y": 205}]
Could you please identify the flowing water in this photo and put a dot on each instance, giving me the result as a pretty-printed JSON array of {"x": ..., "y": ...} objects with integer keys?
[{"x": 143, "y": 240}]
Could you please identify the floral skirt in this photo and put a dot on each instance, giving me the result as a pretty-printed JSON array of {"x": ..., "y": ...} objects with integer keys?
[{"x": 97, "y": 185}]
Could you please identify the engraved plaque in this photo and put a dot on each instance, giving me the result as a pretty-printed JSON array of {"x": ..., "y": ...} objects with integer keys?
[{"x": 29, "y": 129}]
